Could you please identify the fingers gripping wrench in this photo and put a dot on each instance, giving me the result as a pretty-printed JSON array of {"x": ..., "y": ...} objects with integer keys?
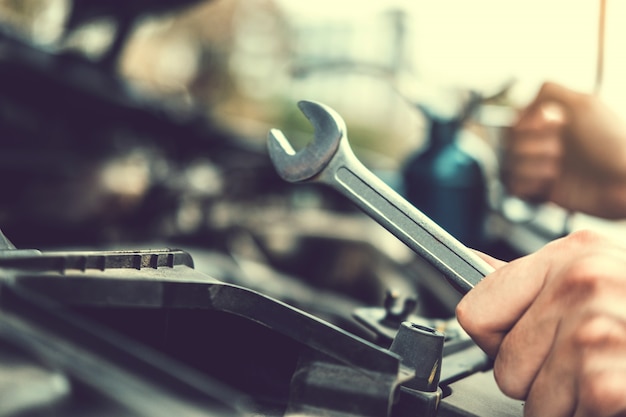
[{"x": 329, "y": 159}]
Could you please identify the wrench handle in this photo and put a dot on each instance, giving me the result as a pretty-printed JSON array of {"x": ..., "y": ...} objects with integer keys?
[{"x": 460, "y": 266}]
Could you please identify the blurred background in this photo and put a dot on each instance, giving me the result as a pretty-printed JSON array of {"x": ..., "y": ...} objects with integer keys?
[{"x": 144, "y": 123}]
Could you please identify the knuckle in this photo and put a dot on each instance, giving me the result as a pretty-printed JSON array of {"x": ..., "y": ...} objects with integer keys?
[
  {"x": 582, "y": 276},
  {"x": 597, "y": 331},
  {"x": 468, "y": 312},
  {"x": 586, "y": 262},
  {"x": 577, "y": 283},
  {"x": 580, "y": 238},
  {"x": 464, "y": 306},
  {"x": 462, "y": 314},
  {"x": 591, "y": 267},
  {"x": 467, "y": 319},
  {"x": 603, "y": 393}
]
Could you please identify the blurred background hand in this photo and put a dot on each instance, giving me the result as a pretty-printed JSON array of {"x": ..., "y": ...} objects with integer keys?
[{"x": 568, "y": 148}]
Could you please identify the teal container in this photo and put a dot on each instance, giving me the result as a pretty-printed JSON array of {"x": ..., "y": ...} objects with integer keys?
[{"x": 448, "y": 184}]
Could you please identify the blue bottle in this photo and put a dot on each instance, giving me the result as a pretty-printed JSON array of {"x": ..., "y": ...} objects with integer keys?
[{"x": 447, "y": 183}]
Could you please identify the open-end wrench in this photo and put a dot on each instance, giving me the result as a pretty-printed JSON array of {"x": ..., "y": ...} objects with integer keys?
[{"x": 330, "y": 160}]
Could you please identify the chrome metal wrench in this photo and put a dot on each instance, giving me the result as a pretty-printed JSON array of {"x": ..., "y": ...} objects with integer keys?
[{"x": 330, "y": 160}]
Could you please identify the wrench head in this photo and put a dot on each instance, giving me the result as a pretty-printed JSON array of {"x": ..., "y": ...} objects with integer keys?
[{"x": 329, "y": 129}]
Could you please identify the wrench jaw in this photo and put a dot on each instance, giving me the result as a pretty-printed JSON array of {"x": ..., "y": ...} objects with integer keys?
[{"x": 329, "y": 130}]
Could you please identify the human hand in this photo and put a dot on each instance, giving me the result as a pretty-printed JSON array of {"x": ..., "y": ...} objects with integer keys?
[
  {"x": 568, "y": 148},
  {"x": 555, "y": 322}
]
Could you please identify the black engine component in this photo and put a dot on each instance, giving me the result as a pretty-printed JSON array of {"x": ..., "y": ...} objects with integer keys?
[{"x": 144, "y": 333}]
